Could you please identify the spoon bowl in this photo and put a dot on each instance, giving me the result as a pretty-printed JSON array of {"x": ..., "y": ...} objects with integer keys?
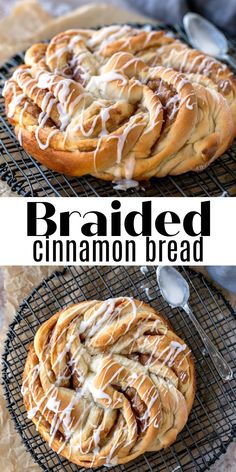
[
  {"x": 173, "y": 286},
  {"x": 203, "y": 35},
  {"x": 175, "y": 290}
]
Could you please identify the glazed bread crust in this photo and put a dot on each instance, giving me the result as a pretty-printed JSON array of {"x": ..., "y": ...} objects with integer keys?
[
  {"x": 107, "y": 381},
  {"x": 121, "y": 103}
]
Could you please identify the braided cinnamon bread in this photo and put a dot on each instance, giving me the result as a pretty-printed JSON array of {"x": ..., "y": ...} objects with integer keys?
[
  {"x": 118, "y": 103},
  {"x": 107, "y": 381}
]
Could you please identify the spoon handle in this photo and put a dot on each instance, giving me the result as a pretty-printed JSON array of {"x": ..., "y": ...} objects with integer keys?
[
  {"x": 231, "y": 61},
  {"x": 220, "y": 364}
]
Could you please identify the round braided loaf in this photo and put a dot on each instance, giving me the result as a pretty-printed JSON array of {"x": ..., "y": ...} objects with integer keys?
[
  {"x": 107, "y": 381},
  {"x": 119, "y": 103}
]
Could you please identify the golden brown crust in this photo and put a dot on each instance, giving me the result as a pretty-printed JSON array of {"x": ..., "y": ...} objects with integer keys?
[
  {"x": 107, "y": 381},
  {"x": 81, "y": 107}
]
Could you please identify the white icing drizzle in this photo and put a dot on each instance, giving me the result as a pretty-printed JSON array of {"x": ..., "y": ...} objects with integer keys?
[
  {"x": 188, "y": 105},
  {"x": 146, "y": 289},
  {"x": 91, "y": 129},
  {"x": 110, "y": 368},
  {"x": 42, "y": 120},
  {"x": 125, "y": 184},
  {"x": 149, "y": 38},
  {"x": 107, "y": 35},
  {"x": 58, "y": 55},
  {"x": 99, "y": 82},
  {"x": 105, "y": 115},
  {"x": 21, "y": 117},
  {"x": 144, "y": 270},
  {"x": 15, "y": 102},
  {"x": 200, "y": 64},
  {"x": 122, "y": 140},
  {"x": 47, "y": 104}
]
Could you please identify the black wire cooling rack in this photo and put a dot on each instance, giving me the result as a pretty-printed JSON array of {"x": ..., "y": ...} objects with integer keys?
[
  {"x": 212, "y": 422},
  {"x": 30, "y": 179}
]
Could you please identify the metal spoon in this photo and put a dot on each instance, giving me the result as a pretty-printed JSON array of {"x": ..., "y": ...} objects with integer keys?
[
  {"x": 203, "y": 35},
  {"x": 175, "y": 290}
]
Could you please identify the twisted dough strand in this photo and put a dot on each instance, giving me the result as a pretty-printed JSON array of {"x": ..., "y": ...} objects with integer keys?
[
  {"x": 107, "y": 381},
  {"x": 157, "y": 48}
]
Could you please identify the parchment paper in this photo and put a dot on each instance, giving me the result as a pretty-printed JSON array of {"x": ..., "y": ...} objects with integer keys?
[
  {"x": 29, "y": 23},
  {"x": 18, "y": 283}
]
